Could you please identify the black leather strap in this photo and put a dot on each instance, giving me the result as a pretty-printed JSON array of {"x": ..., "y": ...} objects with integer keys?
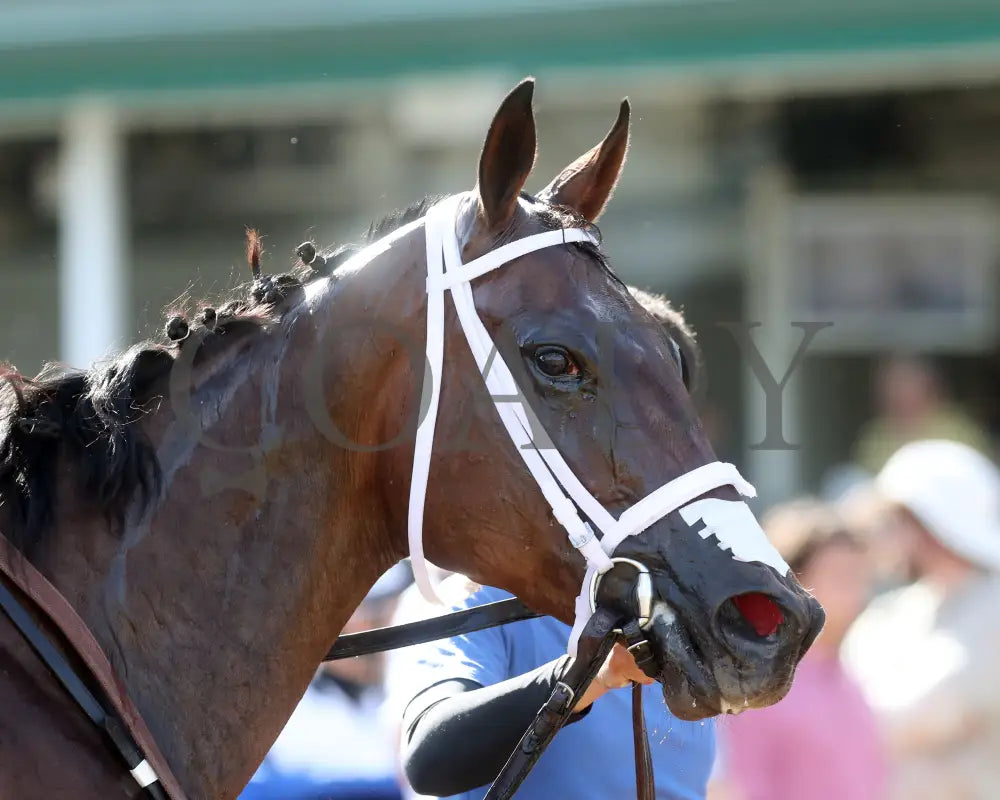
[
  {"x": 640, "y": 648},
  {"x": 488, "y": 615}
]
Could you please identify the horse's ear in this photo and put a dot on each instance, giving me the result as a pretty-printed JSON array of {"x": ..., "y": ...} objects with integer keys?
[
  {"x": 587, "y": 183},
  {"x": 508, "y": 156}
]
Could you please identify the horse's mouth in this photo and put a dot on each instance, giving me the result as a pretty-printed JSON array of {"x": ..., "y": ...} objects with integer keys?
[
  {"x": 691, "y": 678},
  {"x": 689, "y": 687}
]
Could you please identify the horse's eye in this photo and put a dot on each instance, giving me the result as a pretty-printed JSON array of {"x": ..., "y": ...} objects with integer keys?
[{"x": 556, "y": 362}]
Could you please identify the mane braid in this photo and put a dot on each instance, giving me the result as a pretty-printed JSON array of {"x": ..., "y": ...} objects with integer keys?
[{"x": 253, "y": 252}]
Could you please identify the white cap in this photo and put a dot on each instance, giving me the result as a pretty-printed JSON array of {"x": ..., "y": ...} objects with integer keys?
[{"x": 955, "y": 493}]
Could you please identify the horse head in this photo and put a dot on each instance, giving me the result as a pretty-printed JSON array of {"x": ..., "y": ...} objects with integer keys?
[{"x": 601, "y": 382}]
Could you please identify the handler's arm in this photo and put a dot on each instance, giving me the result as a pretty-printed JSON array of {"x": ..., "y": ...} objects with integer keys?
[{"x": 457, "y": 734}]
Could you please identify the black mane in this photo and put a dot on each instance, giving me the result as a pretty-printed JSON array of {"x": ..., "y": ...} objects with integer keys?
[
  {"x": 88, "y": 416},
  {"x": 85, "y": 414}
]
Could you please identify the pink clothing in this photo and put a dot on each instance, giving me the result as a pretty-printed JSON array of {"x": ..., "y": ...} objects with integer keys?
[{"x": 819, "y": 743}]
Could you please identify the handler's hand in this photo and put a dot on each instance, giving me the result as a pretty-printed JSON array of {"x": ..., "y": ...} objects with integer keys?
[{"x": 618, "y": 671}]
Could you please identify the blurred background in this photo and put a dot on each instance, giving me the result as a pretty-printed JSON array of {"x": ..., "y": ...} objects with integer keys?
[{"x": 791, "y": 162}]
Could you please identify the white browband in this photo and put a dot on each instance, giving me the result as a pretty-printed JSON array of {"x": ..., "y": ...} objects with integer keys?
[{"x": 561, "y": 488}]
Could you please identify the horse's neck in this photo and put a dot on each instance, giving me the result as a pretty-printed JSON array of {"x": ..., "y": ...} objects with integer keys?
[{"x": 217, "y": 606}]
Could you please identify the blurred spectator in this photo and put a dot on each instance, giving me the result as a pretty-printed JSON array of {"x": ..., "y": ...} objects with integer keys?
[
  {"x": 912, "y": 405},
  {"x": 468, "y": 699},
  {"x": 335, "y": 746},
  {"x": 928, "y": 655},
  {"x": 821, "y": 741}
]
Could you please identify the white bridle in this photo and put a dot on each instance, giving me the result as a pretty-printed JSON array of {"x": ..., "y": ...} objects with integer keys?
[{"x": 561, "y": 488}]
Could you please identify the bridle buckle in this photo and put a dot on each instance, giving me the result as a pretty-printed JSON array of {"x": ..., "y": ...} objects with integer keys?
[{"x": 643, "y": 591}]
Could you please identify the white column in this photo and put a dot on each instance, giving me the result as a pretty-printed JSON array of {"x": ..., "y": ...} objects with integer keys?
[
  {"x": 777, "y": 473},
  {"x": 93, "y": 292}
]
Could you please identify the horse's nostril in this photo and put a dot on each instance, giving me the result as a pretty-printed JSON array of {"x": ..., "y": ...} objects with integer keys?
[{"x": 763, "y": 614}]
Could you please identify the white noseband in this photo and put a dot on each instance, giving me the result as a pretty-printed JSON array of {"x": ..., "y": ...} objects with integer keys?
[{"x": 561, "y": 488}]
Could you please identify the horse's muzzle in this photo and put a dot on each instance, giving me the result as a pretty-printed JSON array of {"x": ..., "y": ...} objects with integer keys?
[{"x": 744, "y": 657}]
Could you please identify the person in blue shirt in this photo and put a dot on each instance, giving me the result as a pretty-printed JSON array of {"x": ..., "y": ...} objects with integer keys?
[{"x": 468, "y": 699}]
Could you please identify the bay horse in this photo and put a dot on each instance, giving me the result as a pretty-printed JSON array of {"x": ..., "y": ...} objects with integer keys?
[{"x": 215, "y": 505}]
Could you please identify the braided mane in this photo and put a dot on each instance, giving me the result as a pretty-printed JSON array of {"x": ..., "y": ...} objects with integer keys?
[{"x": 89, "y": 415}]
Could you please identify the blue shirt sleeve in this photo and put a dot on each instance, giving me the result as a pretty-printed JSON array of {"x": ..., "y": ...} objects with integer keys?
[{"x": 483, "y": 656}]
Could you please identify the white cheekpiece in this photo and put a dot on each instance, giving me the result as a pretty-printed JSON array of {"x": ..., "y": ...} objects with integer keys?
[{"x": 566, "y": 495}]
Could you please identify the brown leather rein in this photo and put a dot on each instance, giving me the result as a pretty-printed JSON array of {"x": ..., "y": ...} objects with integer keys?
[{"x": 118, "y": 717}]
